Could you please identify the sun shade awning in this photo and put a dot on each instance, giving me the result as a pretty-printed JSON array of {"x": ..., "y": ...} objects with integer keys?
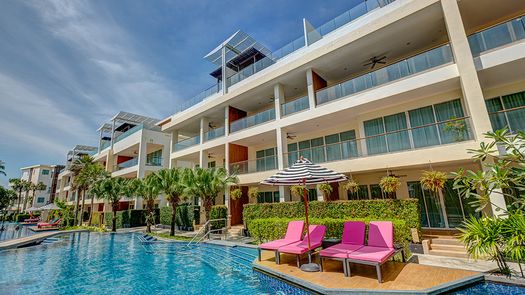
[
  {"x": 237, "y": 44},
  {"x": 304, "y": 171}
]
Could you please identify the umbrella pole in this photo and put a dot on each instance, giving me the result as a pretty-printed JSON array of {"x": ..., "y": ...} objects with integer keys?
[{"x": 305, "y": 196}]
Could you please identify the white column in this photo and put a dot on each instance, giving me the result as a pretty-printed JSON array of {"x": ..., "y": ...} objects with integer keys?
[
  {"x": 141, "y": 171},
  {"x": 470, "y": 86},
  {"x": 226, "y": 120},
  {"x": 282, "y": 151},
  {"x": 227, "y": 157},
  {"x": 223, "y": 70},
  {"x": 204, "y": 127},
  {"x": 203, "y": 159},
  {"x": 310, "y": 87},
  {"x": 284, "y": 194},
  {"x": 278, "y": 93}
]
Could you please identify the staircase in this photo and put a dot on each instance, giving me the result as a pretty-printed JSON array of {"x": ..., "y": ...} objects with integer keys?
[{"x": 444, "y": 244}]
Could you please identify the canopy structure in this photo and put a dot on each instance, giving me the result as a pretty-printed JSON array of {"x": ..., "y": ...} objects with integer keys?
[
  {"x": 33, "y": 209},
  {"x": 304, "y": 172},
  {"x": 50, "y": 206}
]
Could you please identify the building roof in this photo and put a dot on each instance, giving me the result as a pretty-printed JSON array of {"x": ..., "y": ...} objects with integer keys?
[
  {"x": 38, "y": 165},
  {"x": 236, "y": 45}
]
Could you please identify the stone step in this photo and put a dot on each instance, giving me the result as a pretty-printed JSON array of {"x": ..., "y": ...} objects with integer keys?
[
  {"x": 446, "y": 241},
  {"x": 448, "y": 253},
  {"x": 446, "y": 247}
]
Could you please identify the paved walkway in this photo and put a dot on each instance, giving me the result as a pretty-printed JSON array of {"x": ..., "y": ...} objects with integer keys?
[{"x": 34, "y": 239}]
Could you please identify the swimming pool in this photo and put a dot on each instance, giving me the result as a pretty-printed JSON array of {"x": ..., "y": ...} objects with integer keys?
[
  {"x": 491, "y": 288},
  {"x": 10, "y": 231},
  {"x": 95, "y": 263}
]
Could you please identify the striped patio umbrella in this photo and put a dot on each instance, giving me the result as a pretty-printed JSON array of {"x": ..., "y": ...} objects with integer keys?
[{"x": 303, "y": 172}]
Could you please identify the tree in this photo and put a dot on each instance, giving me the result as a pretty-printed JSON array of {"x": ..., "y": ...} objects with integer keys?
[
  {"x": 112, "y": 190},
  {"x": 17, "y": 185},
  {"x": 65, "y": 212},
  {"x": 171, "y": 183},
  {"x": 81, "y": 182},
  {"x": 27, "y": 188},
  {"x": 207, "y": 184},
  {"x": 40, "y": 186},
  {"x": 148, "y": 189},
  {"x": 96, "y": 173},
  {"x": 2, "y": 168},
  {"x": 7, "y": 196}
]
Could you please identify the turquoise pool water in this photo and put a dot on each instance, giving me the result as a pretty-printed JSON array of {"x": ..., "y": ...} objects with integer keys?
[
  {"x": 10, "y": 231},
  {"x": 94, "y": 263},
  {"x": 491, "y": 288}
]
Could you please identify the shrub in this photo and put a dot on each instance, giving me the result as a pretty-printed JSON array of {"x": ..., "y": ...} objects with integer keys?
[
  {"x": 267, "y": 229},
  {"x": 186, "y": 214},
  {"x": 218, "y": 212},
  {"x": 22, "y": 216},
  {"x": 165, "y": 215},
  {"x": 391, "y": 209},
  {"x": 137, "y": 218},
  {"x": 108, "y": 216},
  {"x": 95, "y": 219}
]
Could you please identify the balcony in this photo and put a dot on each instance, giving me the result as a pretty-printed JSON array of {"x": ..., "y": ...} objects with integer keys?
[
  {"x": 295, "y": 106},
  {"x": 497, "y": 36},
  {"x": 157, "y": 162},
  {"x": 129, "y": 132},
  {"x": 430, "y": 59},
  {"x": 253, "y": 166},
  {"x": 105, "y": 144},
  {"x": 189, "y": 142},
  {"x": 253, "y": 120},
  {"x": 214, "y": 133},
  {"x": 428, "y": 135},
  {"x": 127, "y": 164}
]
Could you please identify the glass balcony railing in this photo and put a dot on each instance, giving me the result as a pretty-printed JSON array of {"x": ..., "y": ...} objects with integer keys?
[
  {"x": 410, "y": 66},
  {"x": 497, "y": 36},
  {"x": 295, "y": 106},
  {"x": 184, "y": 144},
  {"x": 350, "y": 15},
  {"x": 127, "y": 164},
  {"x": 445, "y": 132},
  {"x": 214, "y": 133},
  {"x": 216, "y": 88},
  {"x": 154, "y": 162},
  {"x": 104, "y": 144},
  {"x": 129, "y": 132},
  {"x": 252, "y": 166},
  {"x": 253, "y": 120},
  {"x": 92, "y": 153}
]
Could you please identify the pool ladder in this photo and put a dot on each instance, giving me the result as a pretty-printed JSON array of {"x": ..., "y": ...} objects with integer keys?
[{"x": 196, "y": 239}]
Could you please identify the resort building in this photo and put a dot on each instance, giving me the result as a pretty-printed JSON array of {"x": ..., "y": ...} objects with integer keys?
[
  {"x": 131, "y": 146},
  {"x": 46, "y": 174},
  {"x": 386, "y": 88}
]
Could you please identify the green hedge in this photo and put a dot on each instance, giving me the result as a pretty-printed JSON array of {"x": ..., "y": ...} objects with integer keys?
[
  {"x": 95, "y": 219},
  {"x": 186, "y": 214},
  {"x": 130, "y": 218},
  {"x": 218, "y": 212},
  {"x": 165, "y": 215},
  {"x": 406, "y": 210},
  {"x": 121, "y": 216},
  {"x": 268, "y": 229},
  {"x": 22, "y": 216}
]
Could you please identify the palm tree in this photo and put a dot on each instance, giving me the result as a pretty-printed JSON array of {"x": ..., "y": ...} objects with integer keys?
[
  {"x": 40, "y": 186},
  {"x": 27, "y": 188},
  {"x": 6, "y": 197},
  {"x": 112, "y": 190},
  {"x": 2, "y": 168},
  {"x": 207, "y": 184},
  {"x": 95, "y": 173},
  {"x": 17, "y": 185},
  {"x": 80, "y": 183},
  {"x": 171, "y": 183},
  {"x": 148, "y": 189}
]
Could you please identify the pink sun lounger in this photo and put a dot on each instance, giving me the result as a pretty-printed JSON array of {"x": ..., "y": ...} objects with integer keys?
[
  {"x": 353, "y": 239},
  {"x": 317, "y": 233},
  {"x": 379, "y": 249},
  {"x": 294, "y": 233}
]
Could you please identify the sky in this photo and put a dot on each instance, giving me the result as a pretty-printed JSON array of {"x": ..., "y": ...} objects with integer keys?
[{"x": 68, "y": 66}]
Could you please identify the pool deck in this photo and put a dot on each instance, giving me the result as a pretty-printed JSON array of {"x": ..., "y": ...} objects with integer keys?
[
  {"x": 35, "y": 239},
  {"x": 398, "y": 278}
]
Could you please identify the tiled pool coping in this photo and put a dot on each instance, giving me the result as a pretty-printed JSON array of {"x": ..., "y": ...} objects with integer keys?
[{"x": 316, "y": 289}]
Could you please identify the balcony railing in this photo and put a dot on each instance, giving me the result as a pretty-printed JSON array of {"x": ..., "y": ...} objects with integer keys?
[
  {"x": 350, "y": 15},
  {"x": 129, "y": 132},
  {"x": 187, "y": 143},
  {"x": 410, "y": 66},
  {"x": 127, "y": 164},
  {"x": 216, "y": 88},
  {"x": 295, "y": 106},
  {"x": 104, "y": 144},
  {"x": 214, "y": 133},
  {"x": 154, "y": 162},
  {"x": 446, "y": 132},
  {"x": 253, "y": 120},
  {"x": 496, "y": 36},
  {"x": 252, "y": 166}
]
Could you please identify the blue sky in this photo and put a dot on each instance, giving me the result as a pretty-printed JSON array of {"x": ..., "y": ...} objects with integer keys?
[{"x": 68, "y": 66}]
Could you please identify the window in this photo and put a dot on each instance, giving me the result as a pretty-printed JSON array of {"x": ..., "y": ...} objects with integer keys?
[
  {"x": 397, "y": 139},
  {"x": 211, "y": 164},
  {"x": 312, "y": 194},
  {"x": 377, "y": 193},
  {"x": 507, "y": 111},
  {"x": 360, "y": 194},
  {"x": 45, "y": 172},
  {"x": 268, "y": 197},
  {"x": 266, "y": 159},
  {"x": 154, "y": 159},
  {"x": 333, "y": 147},
  {"x": 40, "y": 200}
]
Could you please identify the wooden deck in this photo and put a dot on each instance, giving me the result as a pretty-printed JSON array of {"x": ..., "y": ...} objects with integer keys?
[
  {"x": 408, "y": 278},
  {"x": 34, "y": 239}
]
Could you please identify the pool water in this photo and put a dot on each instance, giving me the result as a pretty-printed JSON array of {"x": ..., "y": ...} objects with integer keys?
[
  {"x": 491, "y": 288},
  {"x": 11, "y": 232},
  {"x": 101, "y": 263}
]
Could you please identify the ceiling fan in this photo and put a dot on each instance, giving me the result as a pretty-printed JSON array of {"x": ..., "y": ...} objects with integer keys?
[
  {"x": 290, "y": 136},
  {"x": 211, "y": 155},
  {"x": 373, "y": 61}
]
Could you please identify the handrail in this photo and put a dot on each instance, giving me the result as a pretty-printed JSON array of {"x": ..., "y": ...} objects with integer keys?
[{"x": 207, "y": 233}]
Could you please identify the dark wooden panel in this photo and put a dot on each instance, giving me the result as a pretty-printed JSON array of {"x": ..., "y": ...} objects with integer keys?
[
  {"x": 235, "y": 114},
  {"x": 318, "y": 82},
  {"x": 236, "y": 207},
  {"x": 238, "y": 153}
]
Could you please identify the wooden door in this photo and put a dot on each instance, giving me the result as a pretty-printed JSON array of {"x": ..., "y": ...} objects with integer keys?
[{"x": 236, "y": 207}]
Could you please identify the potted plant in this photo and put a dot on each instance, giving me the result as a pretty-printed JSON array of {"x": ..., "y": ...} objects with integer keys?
[
  {"x": 236, "y": 193},
  {"x": 389, "y": 184},
  {"x": 433, "y": 180},
  {"x": 326, "y": 189},
  {"x": 351, "y": 186},
  {"x": 253, "y": 192},
  {"x": 297, "y": 191}
]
